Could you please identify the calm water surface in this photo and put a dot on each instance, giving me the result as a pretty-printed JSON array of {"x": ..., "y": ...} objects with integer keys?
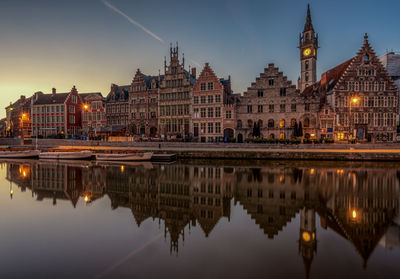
[{"x": 198, "y": 219}]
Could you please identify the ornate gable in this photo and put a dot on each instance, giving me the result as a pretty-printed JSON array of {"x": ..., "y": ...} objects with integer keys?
[{"x": 365, "y": 73}]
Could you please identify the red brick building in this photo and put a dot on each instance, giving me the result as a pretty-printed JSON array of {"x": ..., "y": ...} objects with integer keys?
[
  {"x": 57, "y": 113},
  {"x": 213, "y": 107}
]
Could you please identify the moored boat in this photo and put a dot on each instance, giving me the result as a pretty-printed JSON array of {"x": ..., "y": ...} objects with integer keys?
[
  {"x": 16, "y": 154},
  {"x": 72, "y": 155},
  {"x": 125, "y": 156}
]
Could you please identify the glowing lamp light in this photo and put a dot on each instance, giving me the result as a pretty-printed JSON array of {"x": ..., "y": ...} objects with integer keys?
[
  {"x": 312, "y": 171},
  {"x": 85, "y": 107},
  {"x": 354, "y": 214},
  {"x": 86, "y": 198},
  {"x": 306, "y": 236},
  {"x": 12, "y": 192},
  {"x": 24, "y": 173},
  {"x": 122, "y": 168},
  {"x": 355, "y": 100}
]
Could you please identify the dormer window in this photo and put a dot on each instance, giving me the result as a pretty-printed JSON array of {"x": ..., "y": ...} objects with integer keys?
[{"x": 366, "y": 58}]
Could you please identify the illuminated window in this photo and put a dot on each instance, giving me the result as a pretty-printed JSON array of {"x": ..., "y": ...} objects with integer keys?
[
  {"x": 340, "y": 136},
  {"x": 282, "y": 123}
]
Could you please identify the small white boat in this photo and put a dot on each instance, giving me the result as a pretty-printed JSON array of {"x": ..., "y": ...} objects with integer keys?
[
  {"x": 125, "y": 157},
  {"x": 19, "y": 154},
  {"x": 73, "y": 155}
]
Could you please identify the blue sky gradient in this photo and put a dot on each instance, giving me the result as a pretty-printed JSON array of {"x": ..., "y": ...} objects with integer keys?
[{"x": 47, "y": 44}]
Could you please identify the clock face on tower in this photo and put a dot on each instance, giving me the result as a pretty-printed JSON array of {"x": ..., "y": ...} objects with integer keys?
[{"x": 307, "y": 52}]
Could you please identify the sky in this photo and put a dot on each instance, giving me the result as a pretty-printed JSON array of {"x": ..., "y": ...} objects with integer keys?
[{"x": 93, "y": 43}]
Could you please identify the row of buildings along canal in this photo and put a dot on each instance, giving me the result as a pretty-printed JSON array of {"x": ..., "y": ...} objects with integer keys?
[{"x": 358, "y": 99}]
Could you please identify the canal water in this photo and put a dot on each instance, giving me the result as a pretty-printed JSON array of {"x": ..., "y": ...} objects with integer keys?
[{"x": 199, "y": 219}]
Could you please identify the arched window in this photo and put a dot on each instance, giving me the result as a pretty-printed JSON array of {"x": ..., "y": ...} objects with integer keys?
[
  {"x": 260, "y": 123},
  {"x": 282, "y": 123},
  {"x": 306, "y": 65},
  {"x": 366, "y": 58},
  {"x": 292, "y": 122},
  {"x": 250, "y": 123},
  {"x": 306, "y": 76},
  {"x": 239, "y": 124},
  {"x": 271, "y": 123},
  {"x": 306, "y": 122},
  {"x": 271, "y": 136}
]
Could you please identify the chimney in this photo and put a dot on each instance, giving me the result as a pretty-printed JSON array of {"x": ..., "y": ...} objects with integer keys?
[
  {"x": 194, "y": 72},
  {"x": 53, "y": 91}
]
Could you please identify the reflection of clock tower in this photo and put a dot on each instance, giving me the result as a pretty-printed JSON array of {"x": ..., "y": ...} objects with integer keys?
[
  {"x": 307, "y": 241},
  {"x": 308, "y": 44}
]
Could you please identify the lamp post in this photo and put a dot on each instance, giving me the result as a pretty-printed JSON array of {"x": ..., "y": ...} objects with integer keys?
[
  {"x": 85, "y": 110},
  {"x": 353, "y": 100}
]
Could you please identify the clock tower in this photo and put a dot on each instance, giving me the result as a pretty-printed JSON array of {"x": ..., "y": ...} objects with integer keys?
[{"x": 308, "y": 45}]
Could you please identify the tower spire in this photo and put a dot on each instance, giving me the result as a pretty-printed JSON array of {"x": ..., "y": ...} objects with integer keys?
[{"x": 308, "y": 26}]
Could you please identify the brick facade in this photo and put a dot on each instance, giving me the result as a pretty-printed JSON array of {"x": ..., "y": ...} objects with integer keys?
[
  {"x": 209, "y": 110},
  {"x": 143, "y": 100}
]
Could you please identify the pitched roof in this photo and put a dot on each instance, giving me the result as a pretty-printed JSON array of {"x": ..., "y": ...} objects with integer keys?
[
  {"x": 328, "y": 79},
  {"x": 85, "y": 95},
  {"x": 45, "y": 99},
  {"x": 120, "y": 93}
]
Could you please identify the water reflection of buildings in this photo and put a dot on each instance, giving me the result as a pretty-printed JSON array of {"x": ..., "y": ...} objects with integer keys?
[{"x": 358, "y": 201}]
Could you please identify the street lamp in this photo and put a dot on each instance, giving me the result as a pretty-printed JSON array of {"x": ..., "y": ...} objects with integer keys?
[{"x": 353, "y": 100}]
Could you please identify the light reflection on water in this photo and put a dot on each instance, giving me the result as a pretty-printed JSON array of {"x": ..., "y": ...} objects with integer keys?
[{"x": 200, "y": 219}]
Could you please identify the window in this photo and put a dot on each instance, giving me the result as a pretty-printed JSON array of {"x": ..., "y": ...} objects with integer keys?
[
  {"x": 203, "y": 99},
  {"x": 217, "y": 98},
  {"x": 228, "y": 114},
  {"x": 282, "y": 108},
  {"x": 260, "y": 93},
  {"x": 74, "y": 99},
  {"x": 293, "y": 107},
  {"x": 72, "y": 119},
  {"x": 271, "y": 108},
  {"x": 210, "y": 86},
  {"x": 282, "y": 123},
  {"x": 292, "y": 122},
  {"x": 271, "y": 123},
  {"x": 239, "y": 124},
  {"x": 196, "y": 99},
  {"x": 249, "y": 108},
  {"x": 271, "y": 82},
  {"x": 210, "y": 99},
  {"x": 210, "y": 127},
  {"x": 217, "y": 127},
  {"x": 260, "y": 108},
  {"x": 203, "y": 112},
  {"x": 282, "y": 92},
  {"x": 72, "y": 109},
  {"x": 306, "y": 122},
  {"x": 307, "y": 107},
  {"x": 210, "y": 112},
  {"x": 217, "y": 112}
]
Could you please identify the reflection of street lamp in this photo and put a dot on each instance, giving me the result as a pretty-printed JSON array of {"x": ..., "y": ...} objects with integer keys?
[{"x": 353, "y": 100}]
